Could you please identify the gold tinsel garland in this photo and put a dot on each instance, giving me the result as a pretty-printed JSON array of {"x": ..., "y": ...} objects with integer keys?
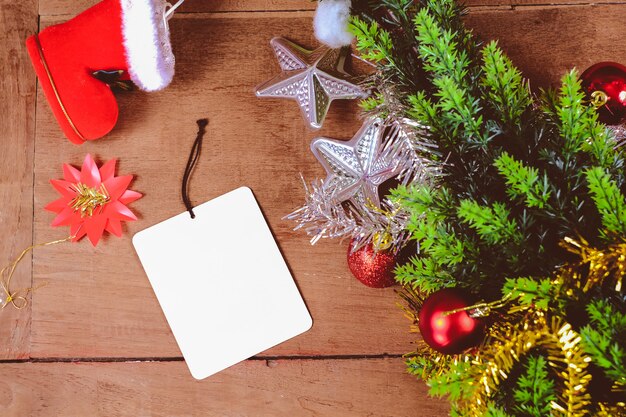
[
  {"x": 609, "y": 263},
  {"x": 529, "y": 328},
  {"x": 565, "y": 355}
]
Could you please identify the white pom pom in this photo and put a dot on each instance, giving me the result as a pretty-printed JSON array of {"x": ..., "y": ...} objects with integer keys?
[{"x": 331, "y": 22}]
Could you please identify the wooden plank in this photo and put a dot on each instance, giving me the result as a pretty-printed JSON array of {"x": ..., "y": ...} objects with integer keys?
[
  {"x": 72, "y": 7},
  {"x": 17, "y": 118},
  {"x": 546, "y": 41},
  {"x": 99, "y": 302},
  {"x": 344, "y": 388},
  {"x": 563, "y": 2}
]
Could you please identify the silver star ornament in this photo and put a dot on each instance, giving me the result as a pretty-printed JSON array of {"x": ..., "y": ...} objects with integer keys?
[
  {"x": 356, "y": 168},
  {"x": 313, "y": 78}
]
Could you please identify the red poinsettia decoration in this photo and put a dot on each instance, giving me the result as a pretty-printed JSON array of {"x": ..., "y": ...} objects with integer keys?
[{"x": 93, "y": 200}]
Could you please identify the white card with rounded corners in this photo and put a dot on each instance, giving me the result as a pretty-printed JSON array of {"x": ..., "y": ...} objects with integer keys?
[{"x": 222, "y": 283}]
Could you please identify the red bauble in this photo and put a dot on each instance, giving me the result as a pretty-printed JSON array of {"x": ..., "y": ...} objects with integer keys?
[
  {"x": 374, "y": 269},
  {"x": 453, "y": 333},
  {"x": 605, "y": 84}
]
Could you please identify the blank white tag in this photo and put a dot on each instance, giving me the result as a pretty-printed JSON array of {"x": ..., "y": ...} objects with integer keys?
[{"x": 223, "y": 285}]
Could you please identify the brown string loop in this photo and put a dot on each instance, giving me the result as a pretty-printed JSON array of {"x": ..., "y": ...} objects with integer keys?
[{"x": 191, "y": 163}]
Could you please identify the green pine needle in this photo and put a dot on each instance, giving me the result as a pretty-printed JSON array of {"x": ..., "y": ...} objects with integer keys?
[
  {"x": 507, "y": 92},
  {"x": 609, "y": 200},
  {"x": 530, "y": 292},
  {"x": 523, "y": 181},
  {"x": 373, "y": 42},
  {"x": 534, "y": 391},
  {"x": 603, "y": 339},
  {"x": 492, "y": 223}
]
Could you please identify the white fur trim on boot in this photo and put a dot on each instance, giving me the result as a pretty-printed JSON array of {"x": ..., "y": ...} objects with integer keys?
[
  {"x": 331, "y": 22},
  {"x": 147, "y": 43}
]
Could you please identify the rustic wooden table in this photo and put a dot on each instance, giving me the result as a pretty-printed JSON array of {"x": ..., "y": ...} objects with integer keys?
[{"x": 94, "y": 341}]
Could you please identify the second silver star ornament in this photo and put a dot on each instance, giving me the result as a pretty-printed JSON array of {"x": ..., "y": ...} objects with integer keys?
[
  {"x": 313, "y": 78},
  {"x": 356, "y": 168},
  {"x": 348, "y": 203}
]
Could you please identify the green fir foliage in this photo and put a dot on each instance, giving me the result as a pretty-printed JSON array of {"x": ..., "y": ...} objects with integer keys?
[
  {"x": 373, "y": 42},
  {"x": 494, "y": 411},
  {"x": 531, "y": 292},
  {"x": 454, "y": 382},
  {"x": 521, "y": 172},
  {"x": 535, "y": 390},
  {"x": 491, "y": 223},
  {"x": 515, "y": 179},
  {"x": 609, "y": 200},
  {"x": 604, "y": 340},
  {"x": 579, "y": 126},
  {"x": 524, "y": 182},
  {"x": 372, "y": 103},
  {"x": 506, "y": 90}
]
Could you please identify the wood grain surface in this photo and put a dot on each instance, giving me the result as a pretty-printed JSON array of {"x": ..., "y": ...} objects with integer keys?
[
  {"x": 59, "y": 7},
  {"x": 547, "y": 41},
  {"x": 259, "y": 388},
  {"x": 62, "y": 7},
  {"x": 17, "y": 145},
  {"x": 95, "y": 341}
]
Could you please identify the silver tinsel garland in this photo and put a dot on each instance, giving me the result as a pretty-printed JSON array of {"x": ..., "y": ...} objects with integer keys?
[{"x": 338, "y": 208}]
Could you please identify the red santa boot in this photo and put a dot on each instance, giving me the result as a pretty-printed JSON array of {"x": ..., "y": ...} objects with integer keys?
[{"x": 129, "y": 36}]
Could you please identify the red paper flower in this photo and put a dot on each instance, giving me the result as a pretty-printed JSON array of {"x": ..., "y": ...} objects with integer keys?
[{"x": 92, "y": 200}]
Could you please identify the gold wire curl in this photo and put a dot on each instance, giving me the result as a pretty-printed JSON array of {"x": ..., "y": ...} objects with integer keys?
[{"x": 17, "y": 298}]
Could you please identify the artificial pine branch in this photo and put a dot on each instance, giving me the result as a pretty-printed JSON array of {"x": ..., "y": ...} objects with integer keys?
[
  {"x": 534, "y": 391},
  {"x": 507, "y": 93},
  {"x": 604, "y": 340},
  {"x": 540, "y": 294},
  {"x": 493, "y": 411},
  {"x": 491, "y": 223},
  {"x": 521, "y": 173},
  {"x": 524, "y": 182},
  {"x": 609, "y": 200}
]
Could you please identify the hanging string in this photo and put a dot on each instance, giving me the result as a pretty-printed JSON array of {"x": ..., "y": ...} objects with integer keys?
[
  {"x": 191, "y": 163},
  {"x": 169, "y": 9},
  {"x": 483, "y": 309},
  {"x": 18, "y": 298},
  {"x": 168, "y": 13}
]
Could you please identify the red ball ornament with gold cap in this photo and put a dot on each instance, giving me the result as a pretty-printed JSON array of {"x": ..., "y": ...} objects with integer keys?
[
  {"x": 374, "y": 268},
  {"x": 445, "y": 326},
  {"x": 605, "y": 84}
]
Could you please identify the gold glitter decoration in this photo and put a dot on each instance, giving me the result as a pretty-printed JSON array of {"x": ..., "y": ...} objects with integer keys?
[
  {"x": 89, "y": 199},
  {"x": 609, "y": 263},
  {"x": 496, "y": 359}
]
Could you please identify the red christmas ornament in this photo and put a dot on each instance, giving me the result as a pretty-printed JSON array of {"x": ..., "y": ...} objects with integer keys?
[
  {"x": 449, "y": 334},
  {"x": 605, "y": 84},
  {"x": 374, "y": 269}
]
